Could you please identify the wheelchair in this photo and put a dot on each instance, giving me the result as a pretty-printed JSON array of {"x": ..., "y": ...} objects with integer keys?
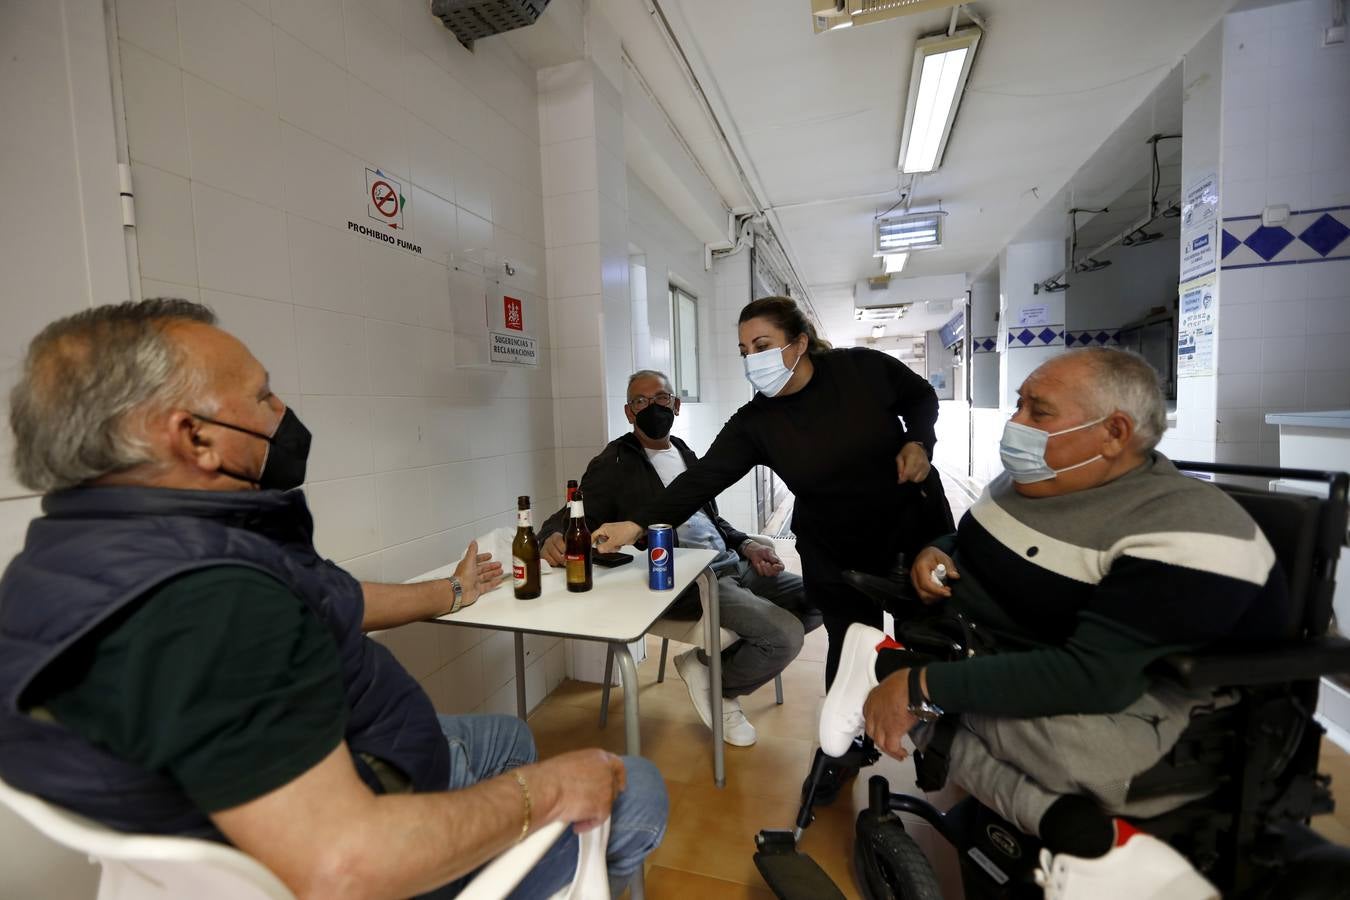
[{"x": 1254, "y": 760}]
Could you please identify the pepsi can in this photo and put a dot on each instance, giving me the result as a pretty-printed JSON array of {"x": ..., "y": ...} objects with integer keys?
[{"x": 661, "y": 558}]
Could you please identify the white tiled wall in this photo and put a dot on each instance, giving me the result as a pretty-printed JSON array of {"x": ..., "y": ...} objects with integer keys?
[
  {"x": 1284, "y": 329},
  {"x": 251, "y": 125}
]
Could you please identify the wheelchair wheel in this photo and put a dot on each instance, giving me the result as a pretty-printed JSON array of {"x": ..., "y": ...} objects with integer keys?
[{"x": 888, "y": 864}]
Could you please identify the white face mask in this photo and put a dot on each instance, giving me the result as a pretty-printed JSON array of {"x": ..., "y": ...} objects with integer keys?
[
  {"x": 765, "y": 370},
  {"x": 1022, "y": 450}
]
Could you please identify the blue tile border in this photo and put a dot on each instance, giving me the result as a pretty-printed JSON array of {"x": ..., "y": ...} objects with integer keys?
[
  {"x": 1310, "y": 235},
  {"x": 1046, "y": 336},
  {"x": 986, "y": 344},
  {"x": 1093, "y": 337}
]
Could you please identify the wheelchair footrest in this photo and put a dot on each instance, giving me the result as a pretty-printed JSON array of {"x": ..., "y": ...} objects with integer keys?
[{"x": 790, "y": 874}]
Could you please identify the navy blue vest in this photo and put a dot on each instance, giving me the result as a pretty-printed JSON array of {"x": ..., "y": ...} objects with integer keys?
[{"x": 95, "y": 551}]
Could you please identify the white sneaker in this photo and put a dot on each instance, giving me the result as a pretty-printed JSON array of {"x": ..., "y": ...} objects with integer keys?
[
  {"x": 736, "y": 728},
  {"x": 1142, "y": 868},
  {"x": 841, "y": 716}
]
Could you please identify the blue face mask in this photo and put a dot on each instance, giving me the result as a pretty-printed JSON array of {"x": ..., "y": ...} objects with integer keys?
[
  {"x": 765, "y": 370},
  {"x": 1022, "y": 450}
]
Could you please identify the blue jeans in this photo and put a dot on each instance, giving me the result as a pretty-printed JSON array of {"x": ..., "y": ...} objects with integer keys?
[{"x": 484, "y": 746}]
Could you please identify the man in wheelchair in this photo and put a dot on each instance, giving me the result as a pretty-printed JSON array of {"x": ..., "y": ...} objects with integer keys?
[{"x": 1082, "y": 565}]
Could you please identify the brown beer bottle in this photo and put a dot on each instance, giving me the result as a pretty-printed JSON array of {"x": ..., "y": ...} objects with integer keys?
[
  {"x": 525, "y": 553},
  {"x": 571, "y": 488},
  {"x": 578, "y": 548}
]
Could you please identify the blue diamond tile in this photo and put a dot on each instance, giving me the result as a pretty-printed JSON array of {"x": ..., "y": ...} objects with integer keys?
[
  {"x": 1230, "y": 244},
  {"x": 1325, "y": 235},
  {"x": 1047, "y": 335},
  {"x": 1268, "y": 241},
  {"x": 990, "y": 344},
  {"x": 1101, "y": 338},
  {"x": 1025, "y": 336},
  {"x": 1069, "y": 339}
]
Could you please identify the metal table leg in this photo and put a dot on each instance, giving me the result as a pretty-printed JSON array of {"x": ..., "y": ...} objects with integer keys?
[
  {"x": 714, "y": 647},
  {"x": 632, "y": 735},
  {"x": 521, "y": 709},
  {"x": 628, "y": 675}
]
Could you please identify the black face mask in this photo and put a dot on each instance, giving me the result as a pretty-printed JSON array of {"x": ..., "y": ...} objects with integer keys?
[
  {"x": 287, "y": 451},
  {"x": 655, "y": 420}
]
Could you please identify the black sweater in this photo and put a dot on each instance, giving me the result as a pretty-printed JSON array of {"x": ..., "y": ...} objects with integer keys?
[
  {"x": 620, "y": 479},
  {"x": 834, "y": 444}
]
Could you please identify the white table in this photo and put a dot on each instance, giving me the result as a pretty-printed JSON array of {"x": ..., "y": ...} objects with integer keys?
[{"x": 618, "y": 610}]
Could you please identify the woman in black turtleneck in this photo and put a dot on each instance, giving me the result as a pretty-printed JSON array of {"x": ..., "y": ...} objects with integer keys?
[{"x": 828, "y": 422}]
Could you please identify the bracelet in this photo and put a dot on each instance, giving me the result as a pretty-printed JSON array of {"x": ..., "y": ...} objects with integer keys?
[
  {"x": 459, "y": 593},
  {"x": 529, "y": 807}
]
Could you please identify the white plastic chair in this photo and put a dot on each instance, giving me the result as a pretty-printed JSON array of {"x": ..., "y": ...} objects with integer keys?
[
  {"x": 688, "y": 632},
  {"x": 154, "y": 867}
]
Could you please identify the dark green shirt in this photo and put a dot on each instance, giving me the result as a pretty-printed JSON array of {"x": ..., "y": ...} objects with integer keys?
[{"x": 221, "y": 678}]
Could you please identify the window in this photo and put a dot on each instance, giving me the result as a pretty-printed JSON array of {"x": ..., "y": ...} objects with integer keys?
[{"x": 684, "y": 331}]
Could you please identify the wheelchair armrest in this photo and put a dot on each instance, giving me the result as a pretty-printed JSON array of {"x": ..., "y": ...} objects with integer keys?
[{"x": 1296, "y": 660}]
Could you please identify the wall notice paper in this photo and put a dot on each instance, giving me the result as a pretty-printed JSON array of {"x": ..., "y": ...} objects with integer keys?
[
  {"x": 1029, "y": 316},
  {"x": 1199, "y": 252},
  {"x": 1195, "y": 330},
  {"x": 513, "y": 348},
  {"x": 1200, "y": 202}
]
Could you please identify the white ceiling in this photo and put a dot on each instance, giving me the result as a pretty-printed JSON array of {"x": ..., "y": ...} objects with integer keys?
[{"x": 816, "y": 119}]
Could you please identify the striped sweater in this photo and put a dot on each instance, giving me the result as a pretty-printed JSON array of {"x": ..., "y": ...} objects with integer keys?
[{"x": 1084, "y": 590}]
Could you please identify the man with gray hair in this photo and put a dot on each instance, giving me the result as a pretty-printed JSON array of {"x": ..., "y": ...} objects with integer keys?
[
  {"x": 176, "y": 658},
  {"x": 1087, "y": 560},
  {"x": 763, "y": 604}
]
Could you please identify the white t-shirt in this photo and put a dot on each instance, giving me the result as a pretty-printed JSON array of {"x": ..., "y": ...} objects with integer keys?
[{"x": 698, "y": 530}]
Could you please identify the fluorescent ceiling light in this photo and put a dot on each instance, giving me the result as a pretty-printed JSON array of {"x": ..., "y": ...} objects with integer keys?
[
  {"x": 941, "y": 67},
  {"x": 894, "y": 262},
  {"x": 912, "y": 231}
]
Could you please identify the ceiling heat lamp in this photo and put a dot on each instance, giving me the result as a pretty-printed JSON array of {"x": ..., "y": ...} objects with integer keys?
[
  {"x": 894, "y": 235},
  {"x": 830, "y": 15}
]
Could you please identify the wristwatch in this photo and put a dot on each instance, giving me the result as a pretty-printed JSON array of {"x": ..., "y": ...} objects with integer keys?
[
  {"x": 920, "y": 707},
  {"x": 459, "y": 593}
]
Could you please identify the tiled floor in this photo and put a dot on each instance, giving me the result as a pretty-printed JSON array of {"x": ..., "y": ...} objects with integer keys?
[{"x": 709, "y": 846}]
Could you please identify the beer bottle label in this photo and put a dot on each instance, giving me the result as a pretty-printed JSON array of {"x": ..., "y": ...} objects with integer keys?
[
  {"x": 576, "y": 568},
  {"x": 523, "y": 518},
  {"x": 518, "y": 570},
  {"x": 578, "y": 509}
]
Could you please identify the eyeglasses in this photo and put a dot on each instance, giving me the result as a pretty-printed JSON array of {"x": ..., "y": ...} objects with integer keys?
[{"x": 639, "y": 403}]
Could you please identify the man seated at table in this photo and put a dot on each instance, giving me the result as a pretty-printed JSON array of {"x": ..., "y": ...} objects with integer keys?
[
  {"x": 175, "y": 657},
  {"x": 764, "y": 605},
  {"x": 1087, "y": 560}
]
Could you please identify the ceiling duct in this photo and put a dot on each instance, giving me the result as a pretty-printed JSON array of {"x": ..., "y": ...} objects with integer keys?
[
  {"x": 471, "y": 20},
  {"x": 881, "y": 313},
  {"x": 935, "y": 291}
]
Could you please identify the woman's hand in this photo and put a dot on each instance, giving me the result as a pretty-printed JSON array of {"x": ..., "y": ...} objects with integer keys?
[
  {"x": 477, "y": 574},
  {"x": 886, "y": 714},
  {"x": 921, "y": 574},
  {"x": 911, "y": 464},
  {"x": 609, "y": 537}
]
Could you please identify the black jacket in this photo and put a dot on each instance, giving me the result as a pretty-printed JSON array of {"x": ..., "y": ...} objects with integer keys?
[{"x": 620, "y": 479}]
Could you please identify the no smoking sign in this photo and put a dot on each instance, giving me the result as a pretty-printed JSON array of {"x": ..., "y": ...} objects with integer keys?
[{"x": 384, "y": 199}]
